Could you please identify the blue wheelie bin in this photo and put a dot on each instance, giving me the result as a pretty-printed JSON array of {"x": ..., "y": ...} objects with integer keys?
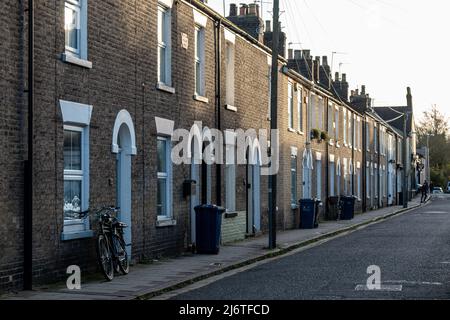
[
  {"x": 308, "y": 213},
  {"x": 347, "y": 207},
  {"x": 208, "y": 222}
]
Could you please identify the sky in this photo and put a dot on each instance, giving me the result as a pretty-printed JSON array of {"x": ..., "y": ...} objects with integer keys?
[{"x": 386, "y": 45}]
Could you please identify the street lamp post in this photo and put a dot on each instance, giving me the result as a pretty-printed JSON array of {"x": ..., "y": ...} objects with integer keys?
[{"x": 405, "y": 162}]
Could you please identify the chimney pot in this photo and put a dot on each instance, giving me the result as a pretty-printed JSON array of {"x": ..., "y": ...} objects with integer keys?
[
  {"x": 290, "y": 53},
  {"x": 253, "y": 9},
  {"x": 268, "y": 26},
  {"x": 233, "y": 10},
  {"x": 243, "y": 10}
]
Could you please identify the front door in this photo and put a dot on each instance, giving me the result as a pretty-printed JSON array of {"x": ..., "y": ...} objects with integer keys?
[
  {"x": 253, "y": 198},
  {"x": 123, "y": 165},
  {"x": 195, "y": 199}
]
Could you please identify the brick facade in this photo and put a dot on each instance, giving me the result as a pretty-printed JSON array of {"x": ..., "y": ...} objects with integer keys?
[{"x": 122, "y": 46}]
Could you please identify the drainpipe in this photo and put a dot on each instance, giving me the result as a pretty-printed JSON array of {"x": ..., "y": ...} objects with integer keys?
[
  {"x": 218, "y": 108},
  {"x": 28, "y": 179}
]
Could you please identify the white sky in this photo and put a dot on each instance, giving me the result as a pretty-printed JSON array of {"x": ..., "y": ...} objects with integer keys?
[{"x": 389, "y": 44}]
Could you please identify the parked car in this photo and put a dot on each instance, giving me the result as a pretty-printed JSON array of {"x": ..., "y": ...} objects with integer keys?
[{"x": 438, "y": 190}]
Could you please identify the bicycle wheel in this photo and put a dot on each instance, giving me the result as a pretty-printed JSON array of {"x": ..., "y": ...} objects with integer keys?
[
  {"x": 105, "y": 257},
  {"x": 122, "y": 255}
]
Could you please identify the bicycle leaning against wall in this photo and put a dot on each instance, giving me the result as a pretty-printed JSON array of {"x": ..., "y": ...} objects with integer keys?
[{"x": 111, "y": 249}]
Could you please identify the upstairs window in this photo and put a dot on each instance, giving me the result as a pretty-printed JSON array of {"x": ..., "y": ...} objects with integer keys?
[
  {"x": 345, "y": 125},
  {"x": 199, "y": 60},
  {"x": 229, "y": 61},
  {"x": 290, "y": 106},
  {"x": 300, "y": 109},
  {"x": 75, "y": 29},
  {"x": 164, "y": 45}
]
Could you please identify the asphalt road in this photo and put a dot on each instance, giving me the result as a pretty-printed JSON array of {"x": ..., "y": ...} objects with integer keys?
[{"x": 411, "y": 250}]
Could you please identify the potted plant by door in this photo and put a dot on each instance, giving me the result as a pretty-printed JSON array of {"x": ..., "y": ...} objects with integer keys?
[{"x": 315, "y": 134}]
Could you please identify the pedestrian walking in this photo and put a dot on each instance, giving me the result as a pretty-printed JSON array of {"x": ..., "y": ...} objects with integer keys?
[
  {"x": 424, "y": 192},
  {"x": 431, "y": 187}
]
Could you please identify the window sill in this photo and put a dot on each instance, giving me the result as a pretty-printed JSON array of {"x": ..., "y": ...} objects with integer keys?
[
  {"x": 66, "y": 236},
  {"x": 163, "y": 87},
  {"x": 291, "y": 130},
  {"x": 68, "y": 58},
  {"x": 200, "y": 98},
  {"x": 230, "y": 107},
  {"x": 160, "y": 223},
  {"x": 300, "y": 133}
]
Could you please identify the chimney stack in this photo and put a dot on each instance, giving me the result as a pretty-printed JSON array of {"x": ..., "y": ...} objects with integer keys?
[
  {"x": 268, "y": 26},
  {"x": 336, "y": 76},
  {"x": 316, "y": 69},
  {"x": 363, "y": 90},
  {"x": 297, "y": 54},
  {"x": 306, "y": 54},
  {"x": 344, "y": 77},
  {"x": 409, "y": 97},
  {"x": 233, "y": 10},
  {"x": 325, "y": 61},
  {"x": 290, "y": 54}
]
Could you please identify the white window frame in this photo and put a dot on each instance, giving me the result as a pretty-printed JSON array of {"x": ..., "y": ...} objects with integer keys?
[
  {"x": 330, "y": 123},
  {"x": 336, "y": 119},
  {"x": 76, "y": 117},
  {"x": 320, "y": 113},
  {"x": 300, "y": 109},
  {"x": 319, "y": 179},
  {"x": 79, "y": 225},
  {"x": 199, "y": 42},
  {"x": 358, "y": 134},
  {"x": 230, "y": 171},
  {"x": 290, "y": 105},
  {"x": 78, "y": 56},
  {"x": 168, "y": 177},
  {"x": 350, "y": 122},
  {"x": 344, "y": 112},
  {"x": 165, "y": 42},
  {"x": 375, "y": 137},
  {"x": 367, "y": 136},
  {"x": 230, "y": 73},
  {"x": 294, "y": 189},
  {"x": 332, "y": 177}
]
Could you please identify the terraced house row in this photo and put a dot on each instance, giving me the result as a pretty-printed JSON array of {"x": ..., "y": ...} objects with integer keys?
[{"x": 104, "y": 72}]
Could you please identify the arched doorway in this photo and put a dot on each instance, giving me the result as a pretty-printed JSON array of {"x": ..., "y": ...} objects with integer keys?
[{"x": 124, "y": 146}]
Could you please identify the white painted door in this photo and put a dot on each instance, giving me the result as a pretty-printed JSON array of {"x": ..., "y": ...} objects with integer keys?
[
  {"x": 254, "y": 199},
  {"x": 123, "y": 162},
  {"x": 390, "y": 184},
  {"x": 194, "y": 199}
]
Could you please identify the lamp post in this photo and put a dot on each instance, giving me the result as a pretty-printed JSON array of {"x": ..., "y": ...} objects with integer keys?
[
  {"x": 405, "y": 162},
  {"x": 428, "y": 157}
]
